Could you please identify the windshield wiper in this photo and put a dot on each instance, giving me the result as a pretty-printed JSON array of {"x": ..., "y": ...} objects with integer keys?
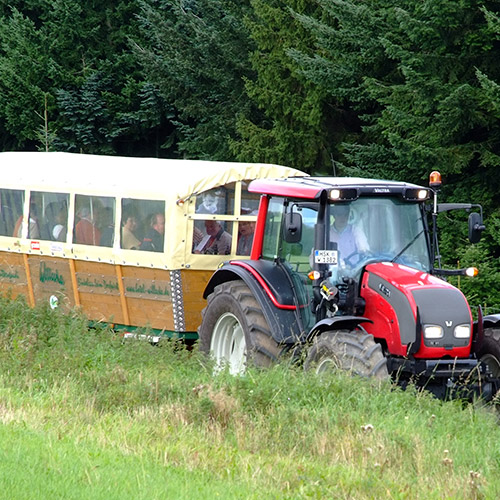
[{"x": 407, "y": 246}]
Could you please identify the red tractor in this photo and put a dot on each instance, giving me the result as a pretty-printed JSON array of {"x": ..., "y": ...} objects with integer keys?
[{"x": 342, "y": 275}]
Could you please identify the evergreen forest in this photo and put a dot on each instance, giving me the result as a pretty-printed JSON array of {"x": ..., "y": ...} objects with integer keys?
[{"x": 373, "y": 88}]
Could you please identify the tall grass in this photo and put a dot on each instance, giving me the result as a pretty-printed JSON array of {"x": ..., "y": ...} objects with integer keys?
[{"x": 88, "y": 415}]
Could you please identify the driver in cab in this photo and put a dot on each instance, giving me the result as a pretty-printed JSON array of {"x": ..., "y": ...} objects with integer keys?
[{"x": 350, "y": 240}]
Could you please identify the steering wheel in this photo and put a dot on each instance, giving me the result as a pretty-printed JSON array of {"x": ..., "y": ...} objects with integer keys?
[{"x": 356, "y": 257}]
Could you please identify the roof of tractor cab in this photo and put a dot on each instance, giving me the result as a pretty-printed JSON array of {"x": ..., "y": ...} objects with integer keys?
[{"x": 312, "y": 187}]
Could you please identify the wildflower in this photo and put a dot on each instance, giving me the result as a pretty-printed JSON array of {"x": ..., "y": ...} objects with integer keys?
[
  {"x": 198, "y": 388},
  {"x": 474, "y": 479},
  {"x": 474, "y": 475}
]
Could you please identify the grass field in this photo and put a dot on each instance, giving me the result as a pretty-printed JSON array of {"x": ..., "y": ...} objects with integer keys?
[{"x": 87, "y": 416}]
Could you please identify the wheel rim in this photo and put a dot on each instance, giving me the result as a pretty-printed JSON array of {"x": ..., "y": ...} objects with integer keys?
[
  {"x": 228, "y": 345},
  {"x": 492, "y": 363}
]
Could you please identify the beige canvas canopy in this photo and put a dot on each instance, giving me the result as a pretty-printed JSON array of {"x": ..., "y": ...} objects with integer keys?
[
  {"x": 177, "y": 182},
  {"x": 111, "y": 175}
]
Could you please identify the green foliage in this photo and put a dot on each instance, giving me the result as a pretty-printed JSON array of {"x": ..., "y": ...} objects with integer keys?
[
  {"x": 422, "y": 78},
  {"x": 196, "y": 54},
  {"x": 413, "y": 73},
  {"x": 60, "y": 63},
  {"x": 291, "y": 125},
  {"x": 23, "y": 61}
]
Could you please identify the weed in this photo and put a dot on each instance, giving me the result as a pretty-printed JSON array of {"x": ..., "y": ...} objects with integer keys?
[{"x": 87, "y": 399}]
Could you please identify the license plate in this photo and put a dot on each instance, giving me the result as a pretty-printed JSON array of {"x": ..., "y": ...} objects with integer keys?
[{"x": 326, "y": 257}]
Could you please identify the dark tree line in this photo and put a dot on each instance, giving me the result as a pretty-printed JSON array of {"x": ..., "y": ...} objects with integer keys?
[{"x": 346, "y": 87}]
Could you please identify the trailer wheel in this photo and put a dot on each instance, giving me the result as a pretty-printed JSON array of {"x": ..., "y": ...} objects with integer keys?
[
  {"x": 489, "y": 351},
  {"x": 352, "y": 351},
  {"x": 234, "y": 331}
]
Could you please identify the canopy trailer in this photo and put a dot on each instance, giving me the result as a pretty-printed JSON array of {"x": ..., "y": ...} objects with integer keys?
[{"x": 75, "y": 231}]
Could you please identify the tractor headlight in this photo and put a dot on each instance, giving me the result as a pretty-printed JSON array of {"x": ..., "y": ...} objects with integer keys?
[
  {"x": 433, "y": 331},
  {"x": 462, "y": 331}
]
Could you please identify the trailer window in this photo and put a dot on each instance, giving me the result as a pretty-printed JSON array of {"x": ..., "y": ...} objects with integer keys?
[
  {"x": 214, "y": 239},
  {"x": 217, "y": 201},
  {"x": 48, "y": 217},
  {"x": 142, "y": 225},
  {"x": 94, "y": 220},
  {"x": 229, "y": 225},
  {"x": 249, "y": 201},
  {"x": 11, "y": 212}
]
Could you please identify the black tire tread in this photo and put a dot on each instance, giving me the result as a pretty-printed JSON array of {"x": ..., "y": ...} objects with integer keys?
[
  {"x": 354, "y": 351},
  {"x": 262, "y": 349}
]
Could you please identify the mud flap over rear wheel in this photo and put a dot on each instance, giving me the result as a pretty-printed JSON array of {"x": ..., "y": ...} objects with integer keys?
[
  {"x": 352, "y": 351},
  {"x": 234, "y": 331}
]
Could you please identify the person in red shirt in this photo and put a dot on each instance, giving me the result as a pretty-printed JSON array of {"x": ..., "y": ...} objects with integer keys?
[{"x": 86, "y": 232}]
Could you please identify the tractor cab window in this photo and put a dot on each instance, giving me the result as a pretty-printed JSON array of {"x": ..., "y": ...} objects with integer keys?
[
  {"x": 295, "y": 249},
  {"x": 377, "y": 229}
]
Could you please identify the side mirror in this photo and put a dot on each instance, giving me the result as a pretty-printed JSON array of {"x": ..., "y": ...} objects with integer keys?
[
  {"x": 476, "y": 227},
  {"x": 293, "y": 227}
]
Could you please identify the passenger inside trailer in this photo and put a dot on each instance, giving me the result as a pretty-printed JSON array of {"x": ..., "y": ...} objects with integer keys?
[{"x": 217, "y": 221}]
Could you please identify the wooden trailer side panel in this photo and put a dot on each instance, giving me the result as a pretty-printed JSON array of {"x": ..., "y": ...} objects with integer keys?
[
  {"x": 13, "y": 279},
  {"x": 124, "y": 295},
  {"x": 193, "y": 286},
  {"x": 148, "y": 297}
]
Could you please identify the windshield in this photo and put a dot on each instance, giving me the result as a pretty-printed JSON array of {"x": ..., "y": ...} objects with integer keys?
[
  {"x": 377, "y": 229},
  {"x": 359, "y": 232}
]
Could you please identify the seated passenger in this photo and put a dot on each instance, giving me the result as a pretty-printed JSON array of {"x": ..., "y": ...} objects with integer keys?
[
  {"x": 245, "y": 239},
  {"x": 129, "y": 239},
  {"x": 59, "y": 230},
  {"x": 217, "y": 241},
  {"x": 153, "y": 240},
  {"x": 33, "y": 229},
  {"x": 197, "y": 237},
  {"x": 86, "y": 233},
  {"x": 208, "y": 205},
  {"x": 107, "y": 225}
]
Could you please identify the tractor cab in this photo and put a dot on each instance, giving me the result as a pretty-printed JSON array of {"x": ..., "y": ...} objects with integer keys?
[{"x": 327, "y": 230}]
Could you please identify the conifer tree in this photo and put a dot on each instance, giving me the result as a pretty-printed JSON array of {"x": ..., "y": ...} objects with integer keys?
[
  {"x": 289, "y": 123},
  {"x": 53, "y": 49},
  {"x": 196, "y": 53}
]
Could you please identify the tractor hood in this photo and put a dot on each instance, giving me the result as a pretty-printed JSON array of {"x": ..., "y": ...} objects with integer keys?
[{"x": 416, "y": 312}]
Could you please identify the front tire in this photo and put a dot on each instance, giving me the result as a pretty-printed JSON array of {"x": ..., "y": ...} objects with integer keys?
[
  {"x": 352, "y": 351},
  {"x": 234, "y": 331}
]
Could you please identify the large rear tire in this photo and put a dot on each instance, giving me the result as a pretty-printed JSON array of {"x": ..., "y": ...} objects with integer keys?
[
  {"x": 234, "y": 331},
  {"x": 352, "y": 351}
]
